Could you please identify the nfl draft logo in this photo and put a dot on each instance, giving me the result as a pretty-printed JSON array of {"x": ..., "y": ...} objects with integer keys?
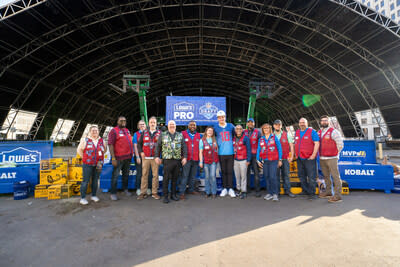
[{"x": 208, "y": 110}]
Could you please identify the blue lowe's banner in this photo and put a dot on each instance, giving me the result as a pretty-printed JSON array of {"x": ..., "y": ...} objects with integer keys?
[
  {"x": 23, "y": 153},
  {"x": 362, "y": 151},
  {"x": 202, "y": 110}
]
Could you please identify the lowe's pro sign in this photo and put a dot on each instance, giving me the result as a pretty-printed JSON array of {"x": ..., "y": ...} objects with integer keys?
[
  {"x": 202, "y": 110},
  {"x": 24, "y": 153}
]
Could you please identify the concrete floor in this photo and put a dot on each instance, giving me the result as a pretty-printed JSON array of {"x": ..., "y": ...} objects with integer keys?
[{"x": 364, "y": 230}]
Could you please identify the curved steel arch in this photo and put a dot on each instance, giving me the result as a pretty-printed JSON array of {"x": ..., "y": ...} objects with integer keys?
[{"x": 362, "y": 86}]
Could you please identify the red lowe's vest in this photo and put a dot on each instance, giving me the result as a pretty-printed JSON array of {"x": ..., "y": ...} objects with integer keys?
[
  {"x": 328, "y": 146},
  {"x": 123, "y": 143},
  {"x": 269, "y": 150},
  {"x": 149, "y": 143},
  {"x": 192, "y": 145},
  {"x": 93, "y": 154},
  {"x": 304, "y": 147},
  {"x": 253, "y": 140},
  {"x": 210, "y": 152},
  {"x": 239, "y": 148},
  {"x": 285, "y": 145},
  {"x": 138, "y": 134}
]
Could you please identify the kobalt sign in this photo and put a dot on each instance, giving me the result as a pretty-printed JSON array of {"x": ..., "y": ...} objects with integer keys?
[
  {"x": 21, "y": 155},
  {"x": 359, "y": 172}
]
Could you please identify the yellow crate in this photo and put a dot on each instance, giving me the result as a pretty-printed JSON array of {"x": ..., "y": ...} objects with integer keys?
[
  {"x": 76, "y": 161},
  {"x": 59, "y": 191},
  {"x": 75, "y": 173},
  {"x": 50, "y": 164},
  {"x": 76, "y": 187},
  {"x": 51, "y": 177},
  {"x": 41, "y": 191}
]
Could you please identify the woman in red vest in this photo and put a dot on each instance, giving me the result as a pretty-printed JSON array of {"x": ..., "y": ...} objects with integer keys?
[
  {"x": 91, "y": 149},
  {"x": 269, "y": 157},
  {"x": 208, "y": 155}
]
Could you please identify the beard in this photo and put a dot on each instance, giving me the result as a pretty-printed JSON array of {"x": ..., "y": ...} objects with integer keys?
[{"x": 324, "y": 125}]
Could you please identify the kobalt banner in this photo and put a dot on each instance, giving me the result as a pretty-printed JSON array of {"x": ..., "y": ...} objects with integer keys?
[{"x": 202, "y": 110}]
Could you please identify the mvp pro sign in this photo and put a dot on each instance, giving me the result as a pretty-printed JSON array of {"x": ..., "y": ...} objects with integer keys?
[{"x": 202, "y": 110}]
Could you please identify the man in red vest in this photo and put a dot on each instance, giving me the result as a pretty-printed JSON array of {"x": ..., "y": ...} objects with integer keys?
[
  {"x": 189, "y": 170},
  {"x": 331, "y": 145},
  {"x": 146, "y": 147},
  {"x": 121, "y": 150},
  {"x": 141, "y": 128},
  {"x": 306, "y": 144},
  {"x": 286, "y": 140},
  {"x": 254, "y": 135}
]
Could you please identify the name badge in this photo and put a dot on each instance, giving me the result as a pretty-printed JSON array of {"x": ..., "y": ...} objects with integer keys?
[
  {"x": 100, "y": 153},
  {"x": 121, "y": 134},
  {"x": 89, "y": 146},
  {"x": 173, "y": 145},
  {"x": 305, "y": 137},
  {"x": 254, "y": 142},
  {"x": 261, "y": 143},
  {"x": 207, "y": 147},
  {"x": 186, "y": 139},
  {"x": 146, "y": 138},
  {"x": 297, "y": 137}
]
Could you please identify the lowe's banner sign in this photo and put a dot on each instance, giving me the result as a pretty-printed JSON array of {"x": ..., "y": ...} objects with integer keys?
[
  {"x": 202, "y": 110},
  {"x": 25, "y": 152}
]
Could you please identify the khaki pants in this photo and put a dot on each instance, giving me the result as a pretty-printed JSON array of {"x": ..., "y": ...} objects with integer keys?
[
  {"x": 146, "y": 164},
  {"x": 330, "y": 167},
  {"x": 240, "y": 169}
]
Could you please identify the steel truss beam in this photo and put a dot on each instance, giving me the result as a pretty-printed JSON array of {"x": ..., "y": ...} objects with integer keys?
[{"x": 17, "y": 7}]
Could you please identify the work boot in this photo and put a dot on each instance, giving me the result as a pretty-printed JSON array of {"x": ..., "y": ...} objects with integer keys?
[
  {"x": 141, "y": 197},
  {"x": 335, "y": 199},
  {"x": 325, "y": 194},
  {"x": 166, "y": 200},
  {"x": 174, "y": 197},
  {"x": 127, "y": 193}
]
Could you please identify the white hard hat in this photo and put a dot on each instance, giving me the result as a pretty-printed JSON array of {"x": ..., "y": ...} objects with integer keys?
[{"x": 221, "y": 113}]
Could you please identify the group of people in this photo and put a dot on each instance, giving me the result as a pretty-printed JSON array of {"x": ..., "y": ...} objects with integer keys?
[{"x": 235, "y": 149}]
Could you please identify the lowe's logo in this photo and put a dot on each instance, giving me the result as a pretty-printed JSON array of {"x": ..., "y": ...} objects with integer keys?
[
  {"x": 21, "y": 155},
  {"x": 8, "y": 175},
  {"x": 183, "y": 111},
  {"x": 352, "y": 153},
  {"x": 208, "y": 110},
  {"x": 359, "y": 172}
]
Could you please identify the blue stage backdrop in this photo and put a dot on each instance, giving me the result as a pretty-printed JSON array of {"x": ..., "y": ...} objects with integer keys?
[
  {"x": 25, "y": 152},
  {"x": 203, "y": 110}
]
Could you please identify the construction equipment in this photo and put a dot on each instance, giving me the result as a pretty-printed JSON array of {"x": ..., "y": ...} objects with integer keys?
[
  {"x": 259, "y": 88},
  {"x": 139, "y": 83}
]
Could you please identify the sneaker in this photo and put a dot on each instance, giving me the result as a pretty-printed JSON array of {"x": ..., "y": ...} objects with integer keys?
[
  {"x": 137, "y": 192},
  {"x": 166, "y": 200},
  {"x": 335, "y": 199},
  {"x": 275, "y": 198},
  {"x": 155, "y": 196},
  {"x": 290, "y": 194},
  {"x": 232, "y": 193},
  {"x": 268, "y": 197},
  {"x": 94, "y": 199},
  {"x": 127, "y": 193},
  {"x": 113, "y": 197},
  {"x": 148, "y": 191},
  {"x": 83, "y": 201},
  {"x": 224, "y": 192},
  {"x": 241, "y": 195}
]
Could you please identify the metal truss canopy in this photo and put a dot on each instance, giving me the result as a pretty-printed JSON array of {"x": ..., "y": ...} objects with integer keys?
[{"x": 66, "y": 58}]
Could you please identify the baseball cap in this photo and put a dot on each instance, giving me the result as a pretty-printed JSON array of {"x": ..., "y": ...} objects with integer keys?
[
  {"x": 221, "y": 113},
  {"x": 277, "y": 122},
  {"x": 250, "y": 119}
]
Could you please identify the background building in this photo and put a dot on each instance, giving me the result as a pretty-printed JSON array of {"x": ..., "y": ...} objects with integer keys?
[{"x": 389, "y": 8}]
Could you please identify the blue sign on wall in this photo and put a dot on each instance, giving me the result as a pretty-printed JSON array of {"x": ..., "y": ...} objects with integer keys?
[
  {"x": 203, "y": 110},
  {"x": 25, "y": 152}
]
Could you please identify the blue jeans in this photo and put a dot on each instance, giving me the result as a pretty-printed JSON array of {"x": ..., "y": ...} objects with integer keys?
[
  {"x": 189, "y": 171},
  {"x": 122, "y": 165},
  {"x": 269, "y": 173},
  {"x": 89, "y": 172},
  {"x": 307, "y": 171},
  {"x": 210, "y": 180},
  {"x": 283, "y": 172}
]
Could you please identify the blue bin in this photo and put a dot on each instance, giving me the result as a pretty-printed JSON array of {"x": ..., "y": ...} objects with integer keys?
[
  {"x": 359, "y": 151},
  {"x": 21, "y": 190}
]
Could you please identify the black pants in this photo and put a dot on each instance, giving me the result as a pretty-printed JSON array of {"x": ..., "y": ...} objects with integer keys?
[
  {"x": 171, "y": 172},
  {"x": 254, "y": 165},
  {"x": 226, "y": 162},
  {"x": 122, "y": 166}
]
